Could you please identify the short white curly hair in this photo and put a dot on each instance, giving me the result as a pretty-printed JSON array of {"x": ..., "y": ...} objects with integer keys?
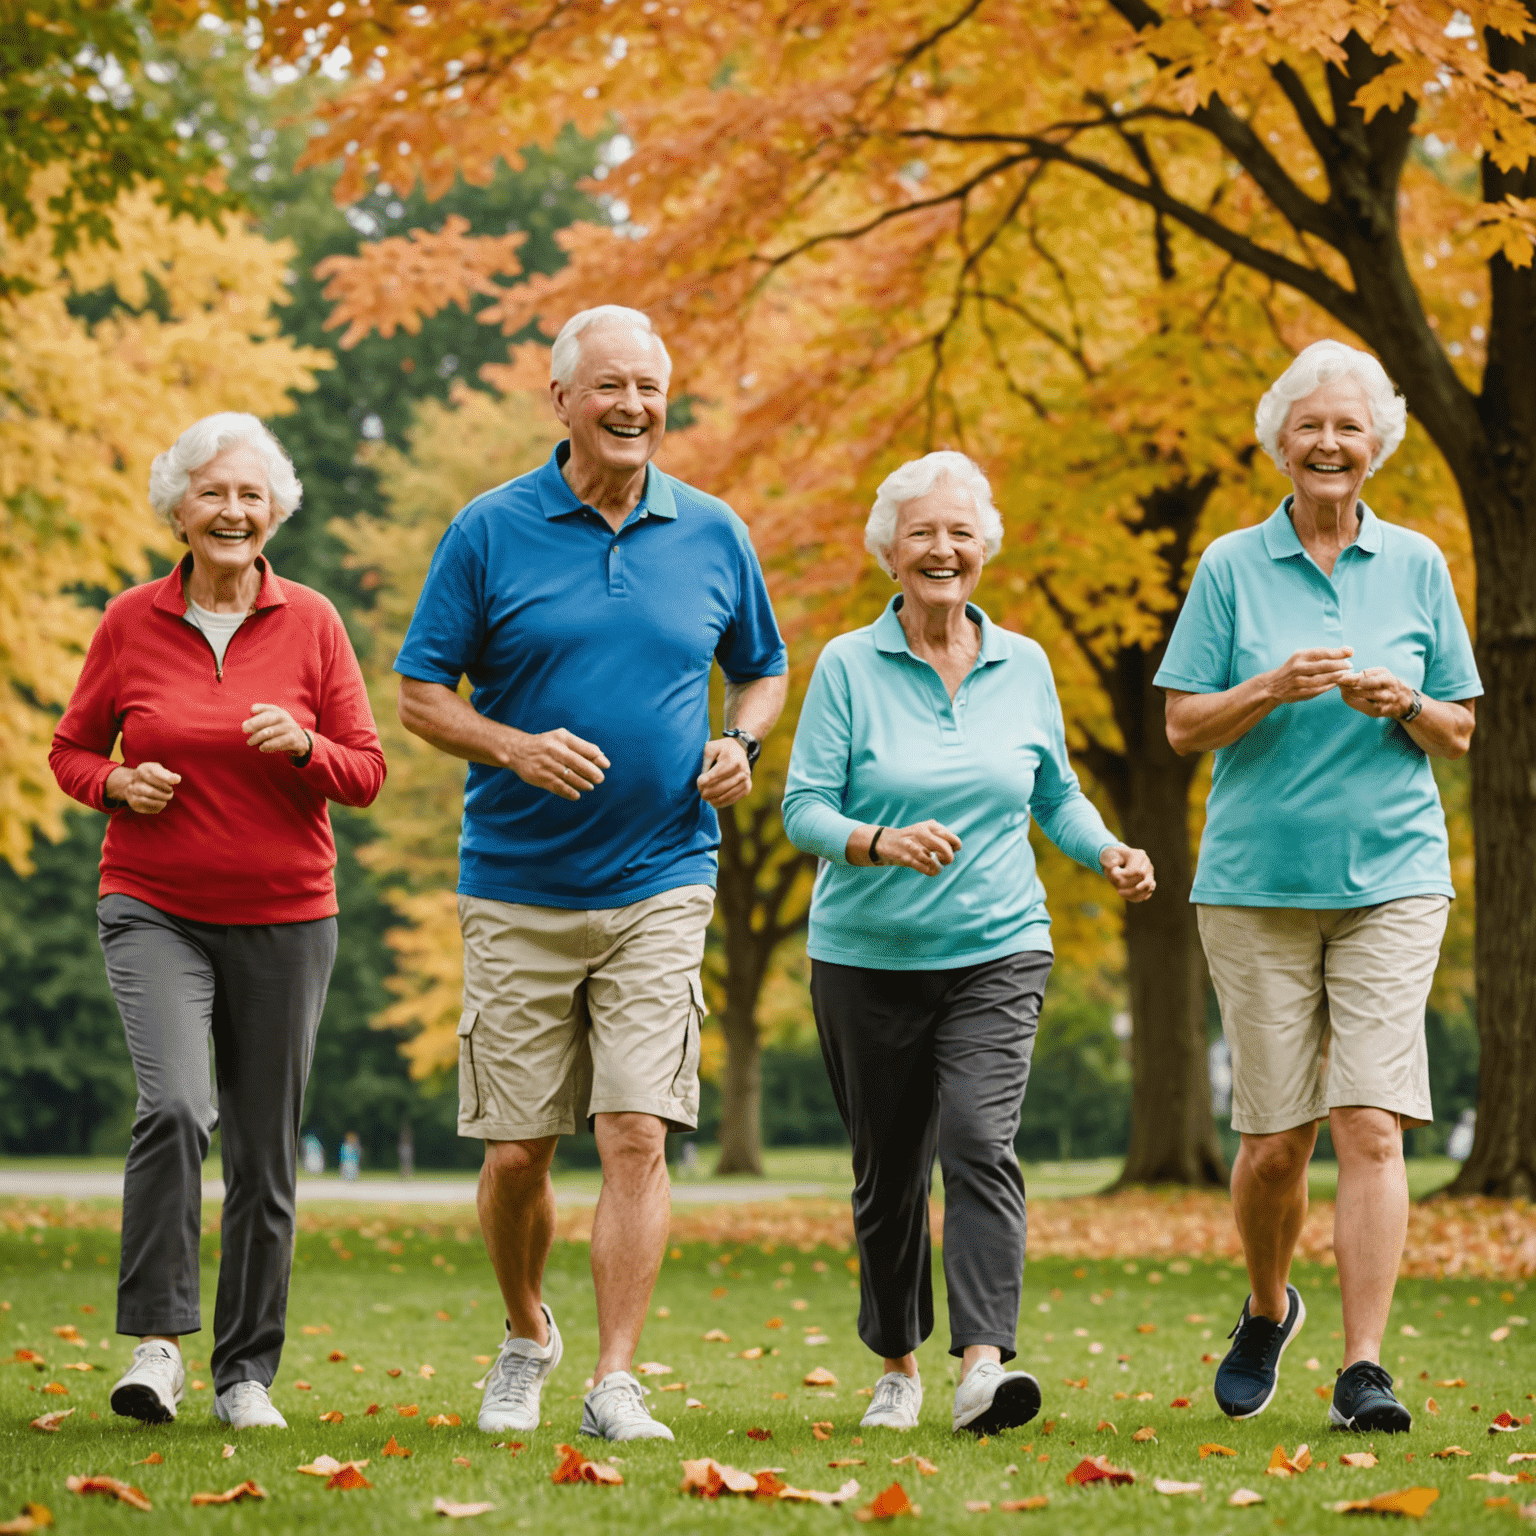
[
  {"x": 916, "y": 478},
  {"x": 171, "y": 473},
  {"x": 566, "y": 352},
  {"x": 1318, "y": 364}
]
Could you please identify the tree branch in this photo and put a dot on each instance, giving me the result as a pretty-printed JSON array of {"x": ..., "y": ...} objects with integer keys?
[{"x": 1068, "y": 622}]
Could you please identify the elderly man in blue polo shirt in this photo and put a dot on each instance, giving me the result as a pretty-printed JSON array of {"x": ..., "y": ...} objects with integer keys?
[{"x": 586, "y": 602}]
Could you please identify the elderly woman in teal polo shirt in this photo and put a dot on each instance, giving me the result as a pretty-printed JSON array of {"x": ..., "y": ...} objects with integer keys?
[
  {"x": 926, "y": 741},
  {"x": 1323, "y": 658}
]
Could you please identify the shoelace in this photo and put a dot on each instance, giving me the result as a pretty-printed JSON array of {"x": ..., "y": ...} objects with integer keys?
[
  {"x": 887, "y": 1395},
  {"x": 244, "y": 1391},
  {"x": 512, "y": 1376},
  {"x": 631, "y": 1404},
  {"x": 1255, "y": 1336},
  {"x": 1368, "y": 1373}
]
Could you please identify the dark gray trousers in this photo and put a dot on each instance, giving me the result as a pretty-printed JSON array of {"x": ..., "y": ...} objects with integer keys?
[
  {"x": 926, "y": 1062},
  {"x": 258, "y": 991}
]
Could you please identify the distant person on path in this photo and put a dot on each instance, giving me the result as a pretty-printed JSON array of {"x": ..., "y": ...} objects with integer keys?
[
  {"x": 1322, "y": 657},
  {"x": 586, "y": 602},
  {"x": 241, "y": 711},
  {"x": 926, "y": 741}
]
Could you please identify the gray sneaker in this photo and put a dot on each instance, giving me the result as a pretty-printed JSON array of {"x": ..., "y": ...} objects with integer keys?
[
  {"x": 247, "y": 1406},
  {"x": 152, "y": 1386},
  {"x": 615, "y": 1410},
  {"x": 896, "y": 1403},
  {"x": 516, "y": 1378}
]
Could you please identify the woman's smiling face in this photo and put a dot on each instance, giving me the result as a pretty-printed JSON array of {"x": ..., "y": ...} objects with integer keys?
[
  {"x": 227, "y": 512},
  {"x": 939, "y": 549},
  {"x": 1329, "y": 440}
]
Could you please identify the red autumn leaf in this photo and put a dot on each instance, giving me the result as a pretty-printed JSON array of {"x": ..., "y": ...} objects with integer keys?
[
  {"x": 1506, "y": 1423},
  {"x": 124, "y": 1493},
  {"x": 392, "y": 1447},
  {"x": 348, "y": 1477},
  {"x": 1179, "y": 1402},
  {"x": 759, "y": 1434},
  {"x": 1096, "y": 1469},
  {"x": 769, "y": 1485},
  {"x": 335, "y": 1355},
  {"x": 370, "y": 1410},
  {"x": 887, "y": 1504},
  {"x": 29, "y": 1357},
  {"x": 235, "y": 1495}
]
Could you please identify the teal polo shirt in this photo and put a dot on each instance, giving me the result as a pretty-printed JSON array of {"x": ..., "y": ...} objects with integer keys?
[
  {"x": 1317, "y": 805},
  {"x": 880, "y": 741}
]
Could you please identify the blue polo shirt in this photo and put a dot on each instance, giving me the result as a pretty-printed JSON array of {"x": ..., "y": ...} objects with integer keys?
[
  {"x": 1317, "y": 805},
  {"x": 558, "y": 621},
  {"x": 881, "y": 742}
]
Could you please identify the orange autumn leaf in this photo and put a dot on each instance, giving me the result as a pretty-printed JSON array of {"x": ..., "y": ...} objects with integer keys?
[
  {"x": 444, "y": 1421},
  {"x": 302, "y": 1386},
  {"x": 392, "y": 1447},
  {"x": 1096, "y": 1469},
  {"x": 1431, "y": 1406},
  {"x": 124, "y": 1493},
  {"x": 33, "y": 1517},
  {"x": 49, "y": 1422},
  {"x": 1449, "y": 1452},
  {"x": 456, "y": 1511},
  {"x": 314, "y": 1329},
  {"x": 1216, "y": 1450},
  {"x": 1144, "y": 1434},
  {"x": 819, "y": 1496},
  {"x": 348, "y": 1477},
  {"x": 407, "y": 1410},
  {"x": 1358, "y": 1459},
  {"x": 922, "y": 1464},
  {"x": 774, "y": 1322},
  {"x": 1022, "y": 1506},
  {"x": 820, "y": 1377},
  {"x": 887, "y": 1505},
  {"x": 335, "y": 1355},
  {"x": 1081, "y": 1383},
  {"x": 1412, "y": 1502},
  {"x": 154, "y": 1459},
  {"x": 768, "y": 1485},
  {"x": 575, "y": 1468},
  {"x": 1281, "y": 1465},
  {"x": 335, "y": 1416},
  {"x": 707, "y": 1478},
  {"x": 56, "y": 1389},
  {"x": 1451, "y": 1381},
  {"x": 1103, "y": 1425},
  {"x": 29, "y": 1357},
  {"x": 848, "y": 1461},
  {"x": 822, "y": 1429},
  {"x": 235, "y": 1495}
]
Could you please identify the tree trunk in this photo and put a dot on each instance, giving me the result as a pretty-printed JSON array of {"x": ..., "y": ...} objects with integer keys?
[{"x": 741, "y": 1115}]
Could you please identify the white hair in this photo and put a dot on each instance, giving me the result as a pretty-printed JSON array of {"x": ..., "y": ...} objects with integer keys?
[
  {"x": 565, "y": 353},
  {"x": 171, "y": 473},
  {"x": 1318, "y": 364},
  {"x": 916, "y": 478}
]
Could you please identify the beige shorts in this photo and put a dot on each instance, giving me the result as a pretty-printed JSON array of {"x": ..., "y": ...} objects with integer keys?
[
  {"x": 1325, "y": 1009},
  {"x": 570, "y": 1014}
]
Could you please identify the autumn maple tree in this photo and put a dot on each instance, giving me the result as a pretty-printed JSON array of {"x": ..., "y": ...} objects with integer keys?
[{"x": 1075, "y": 240}]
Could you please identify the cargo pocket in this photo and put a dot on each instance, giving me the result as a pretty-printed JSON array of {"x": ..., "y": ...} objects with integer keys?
[
  {"x": 469, "y": 1085},
  {"x": 685, "y": 1080}
]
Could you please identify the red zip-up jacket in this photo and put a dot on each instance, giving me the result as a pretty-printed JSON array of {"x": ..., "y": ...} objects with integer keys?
[{"x": 247, "y": 836}]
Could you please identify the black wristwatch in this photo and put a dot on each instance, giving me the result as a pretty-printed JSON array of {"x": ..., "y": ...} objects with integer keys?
[
  {"x": 1414, "y": 710},
  {"x": 750, "y": 743}
]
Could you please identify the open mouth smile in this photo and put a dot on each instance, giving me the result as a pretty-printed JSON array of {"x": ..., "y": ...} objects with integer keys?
[
  {"x": 627, "y": 433},
  {"x": 946, "y": 573}
]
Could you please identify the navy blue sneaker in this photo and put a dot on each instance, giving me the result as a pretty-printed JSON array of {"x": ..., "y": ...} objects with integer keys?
[
  {"x": 1247, "y": 1379},
  {"x": 1363, "y": 1401}
]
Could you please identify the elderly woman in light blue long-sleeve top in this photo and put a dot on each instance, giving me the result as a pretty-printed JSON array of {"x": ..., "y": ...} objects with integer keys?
[{"x": 926, "y": 741}]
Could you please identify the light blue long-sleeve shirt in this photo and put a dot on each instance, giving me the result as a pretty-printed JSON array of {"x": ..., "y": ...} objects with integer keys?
[{"x": 880, "y": 742}]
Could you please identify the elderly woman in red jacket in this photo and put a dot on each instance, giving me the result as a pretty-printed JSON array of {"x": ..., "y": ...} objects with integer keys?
[{"x": 241, "y": 711}]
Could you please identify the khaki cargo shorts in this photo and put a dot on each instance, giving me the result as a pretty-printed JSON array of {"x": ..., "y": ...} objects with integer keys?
[
  {"x": 1323, "y": 1009},
  {"x": 570, "y": 1014}
]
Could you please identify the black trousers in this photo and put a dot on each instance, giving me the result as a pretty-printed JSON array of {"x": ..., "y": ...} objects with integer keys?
[
  {"x": 258, "y": 991},
  {"x": 925, "y": 1063}
]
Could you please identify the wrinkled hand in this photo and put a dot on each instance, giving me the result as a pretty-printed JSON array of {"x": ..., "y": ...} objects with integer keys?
[
  {"x": 727, "y": 775},
  {"x": 926, "y": 846},
  {"x": 272, "y": 729},
  {"x": 556, "y": 760},
  {"x": 146, "y": 789},
  {"x": 1376, "y": 692},
  {"x": 1307, "y": 674},
  {"x": 1129, "y": 871}
]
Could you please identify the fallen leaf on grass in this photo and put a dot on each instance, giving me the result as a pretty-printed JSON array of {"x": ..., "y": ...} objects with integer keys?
[
  {"x": 1096, "y": 1469},
  {"x": 56, "y": 1389},
  {"x": 1242, "y": 1497},
  {"x": 349, "y": 1476},
  {"x": 1499, "y": 1335},
  {"x": 682, "y": 1386},
  {"x": 1144, "y": 1397},
  {"x": 694, "y": 1402},
  {"x": 1144, "y": 1434},
  {"x": 335, "y": 1416},
  {"x": 77, "y": 1365},
  {"x": 841, "y": 1495},
  {"x": 1281, "y": 1465},
  {"x": 69, "y": 1333},
  {"x": 1451, "y": 1381},
  {"x": 708, "y": 1479},
  {"x": 978, "y": 1507},
  {"x": 312, "y": 1329},
  {"x": 1179, "y": 1402},
  {"x": 335, "y": 1356},
  {"x": 33, "y": 1517},
  {"x": 235, "y": 1495},
  {"x": 460, "y": 1511},
  {"x": 887, "y": 1504},
  {"x": 302, "y": 1386},
  {"x": 717, "y": 1336},
  {"x": 154, "y": 1459},
  {"x": 49, "y": 1422},
  {"x": 1515, "y": 1456},
  {"x": 1019, "y": 1506},
  {"x": 774, "y": 1322},
  {"x": 652, "y": 1368},
  {"x": 392, "y": 1447},
  {"x": 1448, "y": 1452},
  {"x": 1080, "y": 1382},
  {"x": 575, "y": 1468},
  {"x": 1431, "y": 1406},
  {"x": 328, "y": 1466},
  {"x": 922, "y": 1463},
  {"x": 1216, "y": 1450},
  {"x": 512, "y": 1447},
  {"x": 124, "y": 1493},
  {"x": 444, "y": 1421},
  {"x": 1146, "y": 1327},
  {"x": 407, "y": 1410},
  {"x": 394, "y": 1370},
  {"x": 1357, "y": 1459},
  {"x": 427, "y": 1372},
  {"x": 370, "y": 1410},
  {"x": 1104, "y": 1424},
  {"x": 1170, "y": 1487},
  {"x": 462, "y": 1461},
  {"x": 1412, "y": 1502},
  {"x": 848, "y": 1461},
  {"x": 1498, "y": 1477},
  {"x": 820, "y": 1377},
  {"x": 1505, "y": 1424},
  {"x": 822, "y": 1429},
  {"x": 759, "y": 1434},
  {"x": 28, "y": 1357}
]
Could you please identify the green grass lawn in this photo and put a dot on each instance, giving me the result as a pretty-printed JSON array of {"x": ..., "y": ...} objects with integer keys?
[{"x": 404, "y": 1297}]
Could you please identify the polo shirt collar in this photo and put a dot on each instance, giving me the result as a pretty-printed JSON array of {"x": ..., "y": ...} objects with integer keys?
[
  {"x": 891, "y": 638},
  {"x": 557, "y": 499},
  {"x": 1281, "y": 541},
  {"x": 171, "y": 598}
]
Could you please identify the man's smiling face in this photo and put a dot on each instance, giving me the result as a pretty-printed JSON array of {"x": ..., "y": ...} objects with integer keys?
[{"x": 615, "y": 405}]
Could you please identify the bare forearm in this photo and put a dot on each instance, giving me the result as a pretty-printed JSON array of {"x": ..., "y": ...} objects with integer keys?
[
  {"x": 1442, "y": 729},
  {"x": 448, "y": 721},
  {"x": 1202, "y": 722},
  {"x": 755, "y": 707}
]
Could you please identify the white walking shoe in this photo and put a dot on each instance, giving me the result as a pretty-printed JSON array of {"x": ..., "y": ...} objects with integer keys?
[
  {"x": 152, "y": 1386},
  {"x": 516, "y": 1378},
  {"x": 615, "y": 1410},
  {"x": 247, "y": 1406},
  {"x": 991, "y": 1399},
  {"x": 896, "y": 1404}
]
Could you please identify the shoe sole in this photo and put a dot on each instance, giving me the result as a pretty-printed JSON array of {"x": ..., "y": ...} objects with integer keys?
[
  {"x": 1016, "y": 1402},
  {"x": 1253, "y": 1413},
  {"x": 136, "y": 1401},
  {"x": 1393, "y": 1420}
]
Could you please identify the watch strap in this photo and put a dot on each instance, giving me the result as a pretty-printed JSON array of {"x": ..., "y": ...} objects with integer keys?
[
  {"x": 749, "y": 743},
  {"x": 1414, "y": 710}
]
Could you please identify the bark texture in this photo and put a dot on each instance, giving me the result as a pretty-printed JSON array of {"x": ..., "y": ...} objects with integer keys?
[{"x": 763, "y": 897}]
